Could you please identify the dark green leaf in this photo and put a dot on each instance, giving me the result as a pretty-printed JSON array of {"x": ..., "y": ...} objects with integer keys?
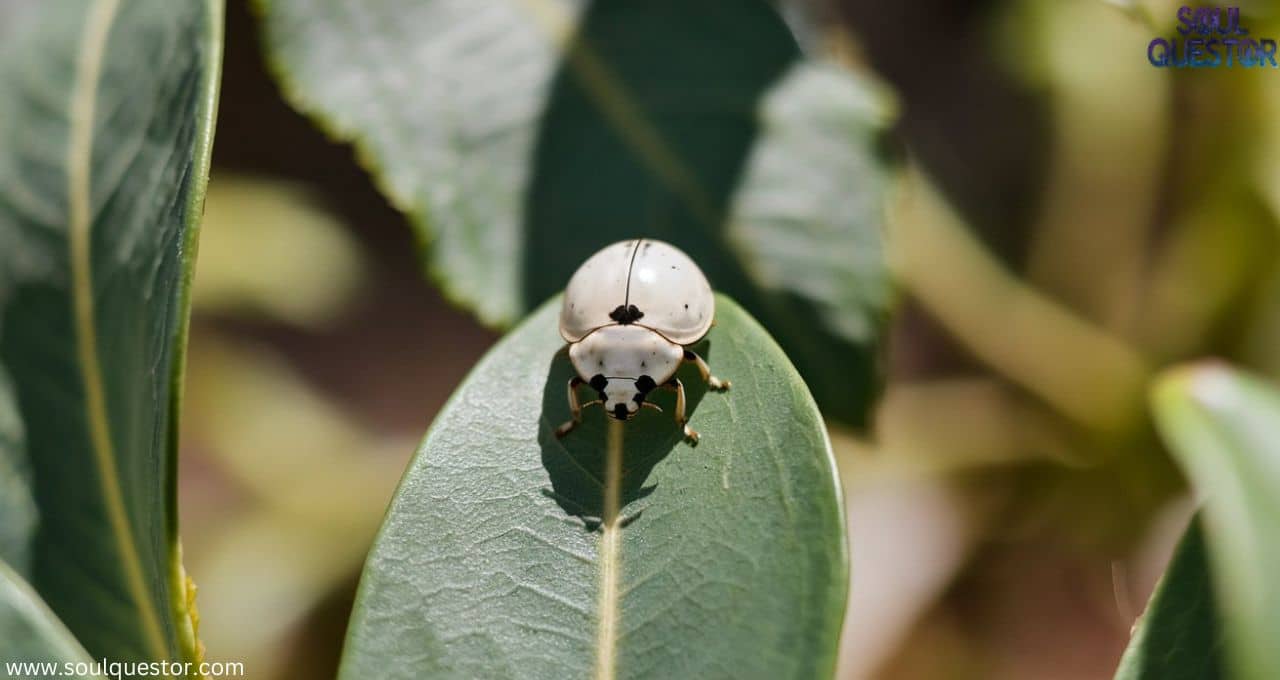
[
  {"x": 29, "y": 632},
  {"x": 1179, "y": 637},
  {"x": 106, "y": 114},
  {"x": 1223, "y": 427},
  {"x": 504, "y": 554},
  {"x": 523, "y": 135},
  {"x": 17, "y": 508}
]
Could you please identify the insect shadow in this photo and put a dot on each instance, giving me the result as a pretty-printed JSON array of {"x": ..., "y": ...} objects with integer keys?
[{"x": 575, "y": 463}]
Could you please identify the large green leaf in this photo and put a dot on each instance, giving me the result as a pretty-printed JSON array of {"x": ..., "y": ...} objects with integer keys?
[
  {"x": 30, "y": 633},
  {"x": 1178, "y": 637},
  {"x": 1223, "y": 427},
  {"x": 510, "y": 553},
  {"x": 106, "y": 123},
  {"x": 523, "y": 135}
]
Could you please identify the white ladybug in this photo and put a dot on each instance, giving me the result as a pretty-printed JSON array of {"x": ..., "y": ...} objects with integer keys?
[{"x": 629, "y": 313}]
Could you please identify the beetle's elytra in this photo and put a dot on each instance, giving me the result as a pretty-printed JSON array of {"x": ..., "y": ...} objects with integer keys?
[{"x": 630, "y": 312}]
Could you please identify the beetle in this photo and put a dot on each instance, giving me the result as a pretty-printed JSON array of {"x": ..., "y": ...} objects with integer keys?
[{"x": 630, "y": 313}]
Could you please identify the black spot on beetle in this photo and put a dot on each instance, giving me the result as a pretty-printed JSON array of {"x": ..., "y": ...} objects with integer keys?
[
  {"x": 626, "y": 314},
  {"x": 620, "y": 411},
  {"x": 645, "y": 384},
  {"x": 686, "y": 305},
  {"x": 598, "y": 382},
  {"x": 642, "y": 365}
]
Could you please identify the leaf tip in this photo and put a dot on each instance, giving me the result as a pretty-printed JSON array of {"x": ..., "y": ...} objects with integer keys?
[{"x": 1209, "y": 384}]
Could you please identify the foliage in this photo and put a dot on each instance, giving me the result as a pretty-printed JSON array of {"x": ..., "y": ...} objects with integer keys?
[
  {"x": 508, "y": 551},
  {"x": 524, "y": 137},
  {"x": 1224, "y": 429},
  {"x": 519, "y": 136},
  {"x": 1178, "y": 637},
  {"x": 106, "y": 118}
]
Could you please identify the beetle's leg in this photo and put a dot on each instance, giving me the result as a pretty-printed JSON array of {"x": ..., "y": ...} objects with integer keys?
[
  {"x": 575, "y": 409},
  {"x": 715, "y": 383},
  {"x": 677, "y": 386}
]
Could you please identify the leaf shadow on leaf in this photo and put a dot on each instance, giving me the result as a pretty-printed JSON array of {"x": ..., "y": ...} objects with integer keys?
[{"x": 575, "y": 463}]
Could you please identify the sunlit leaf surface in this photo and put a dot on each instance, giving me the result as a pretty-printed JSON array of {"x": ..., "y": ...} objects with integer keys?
[{"x": 508, "y": 552}]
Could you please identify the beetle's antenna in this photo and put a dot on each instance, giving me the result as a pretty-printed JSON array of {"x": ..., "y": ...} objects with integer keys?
[
  {"x": 649, "y": 404},
  {"x": 593, "y": 402}
]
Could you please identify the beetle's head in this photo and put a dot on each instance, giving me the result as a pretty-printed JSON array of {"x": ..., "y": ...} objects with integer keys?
[{"x": 622, "y": 397}]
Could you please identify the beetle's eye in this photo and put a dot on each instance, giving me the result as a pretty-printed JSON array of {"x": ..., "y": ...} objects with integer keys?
[
  {"x": 644, "y": 383},
  {"x": 599, "y": 382}
]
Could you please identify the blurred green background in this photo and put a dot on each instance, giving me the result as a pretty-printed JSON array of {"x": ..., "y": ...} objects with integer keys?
[{"x": 1086, "y": 219}]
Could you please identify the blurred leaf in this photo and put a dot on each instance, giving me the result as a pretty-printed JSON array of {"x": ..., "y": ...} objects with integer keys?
[
  {"x": 521, "y": 136},
  {"x": 1134, "y": 9},
  {"x": 264, "y": 574},
  {"x": 1005, "y": 322},
  {"x": 974, "y": 423},
  {"x": 300, "y": 520},
  {"x": 1108, "y": 151},
  {"x": 724, "y": 560},
  {"x": 29, "y": 631},
  {"x": 1223, "y": 427},
  {"x": 1178, "y": 638},
  {"x": 17, "y": 507},
  {"x": 1262, "y": 334},
  {"x": 250, "y": 261},
  {"x": 1211, "y": 266},
  {"x": 243, "y": 400},
  {"x": 105, "y": 130}
]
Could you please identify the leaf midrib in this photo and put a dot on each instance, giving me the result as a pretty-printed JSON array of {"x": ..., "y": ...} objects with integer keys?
[
  {"x": 609, "y": 557},
  {"x": 84, "y": 95}
]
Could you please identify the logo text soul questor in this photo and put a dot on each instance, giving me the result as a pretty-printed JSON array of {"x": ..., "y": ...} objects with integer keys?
[{"x": 1211, "y": 37}]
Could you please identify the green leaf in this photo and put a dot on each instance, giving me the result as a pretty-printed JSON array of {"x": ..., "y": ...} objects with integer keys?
[
  {"x": 106, "y": 123},
  {"x": 29, "y": 631},
  {"x": 618, "y": 550},
  {"x": 1178, "y": 638},
  {"x": 17, "y": 507},
  {"x": 1223, "y": 427},
  {"x": 523, "y": 135}
]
